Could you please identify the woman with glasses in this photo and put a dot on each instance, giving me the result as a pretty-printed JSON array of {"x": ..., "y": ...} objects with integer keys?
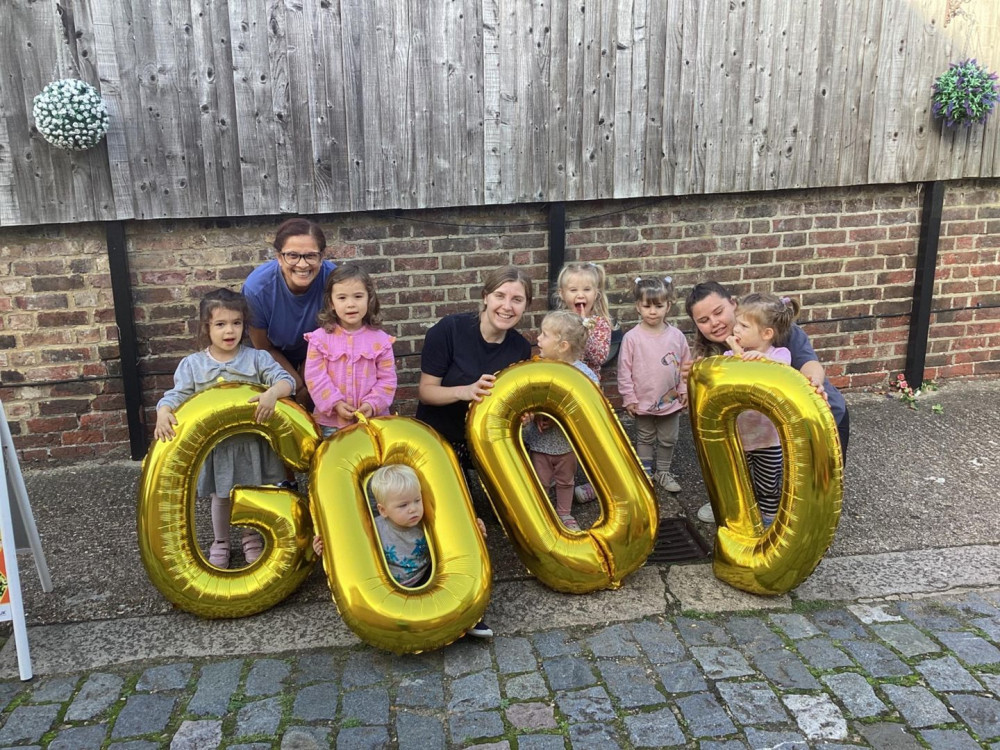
[{"x": 285, "y": 295}]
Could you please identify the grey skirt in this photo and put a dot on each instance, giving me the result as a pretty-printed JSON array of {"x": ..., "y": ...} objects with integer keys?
[{"x": 241, "y": 459}]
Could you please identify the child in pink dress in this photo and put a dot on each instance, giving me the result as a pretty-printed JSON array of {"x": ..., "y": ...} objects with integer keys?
[
  {"x": 649, "y": 378},
  {"x": 350, "y": 365}
]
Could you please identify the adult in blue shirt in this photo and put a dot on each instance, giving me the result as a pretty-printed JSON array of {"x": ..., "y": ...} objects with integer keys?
[
  {"x": 712, "y": 307},
  {"x": 285, "y": 295}
]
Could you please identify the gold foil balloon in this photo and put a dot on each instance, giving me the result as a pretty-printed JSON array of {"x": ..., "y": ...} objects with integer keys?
[
  {"x": 623, "y": 536},
  {"x": 371, "y": 602},
  {"x": 775, "y": 560},
  {"x": 167, "y": 543}
]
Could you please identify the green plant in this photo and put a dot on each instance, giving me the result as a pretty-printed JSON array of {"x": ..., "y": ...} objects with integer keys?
[
  {"x": 937, "y": 409},
  {"x": 70, "y": 114},
  {"x": 964, "y": 94}
]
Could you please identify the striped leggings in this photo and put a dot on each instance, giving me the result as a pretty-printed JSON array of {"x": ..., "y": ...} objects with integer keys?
[{"x": 766, "y": 475}]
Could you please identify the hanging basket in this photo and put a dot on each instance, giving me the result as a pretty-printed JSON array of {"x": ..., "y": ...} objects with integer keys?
[
  {"x": 70, "y": 114},
  {"x": 964, "y": 94}
]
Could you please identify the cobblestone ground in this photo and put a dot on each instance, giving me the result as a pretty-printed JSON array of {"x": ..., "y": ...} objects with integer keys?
[{"x": 907, "y": 674}]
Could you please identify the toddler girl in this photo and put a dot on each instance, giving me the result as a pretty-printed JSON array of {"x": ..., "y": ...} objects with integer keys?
[
  {"x": 649, "y": 378},
  {"x": 349, "y": 365},
  {"x": 242, "y": 459},
  {"x": 396, "y": 491},
  {"x": 581, "y": 289},
  {"x": 563, "y": 337},
  {"x": 763, "y": 321}
]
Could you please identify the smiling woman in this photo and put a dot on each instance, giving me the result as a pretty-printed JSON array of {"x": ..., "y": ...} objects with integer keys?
[
  {"x": 462, "y": 353},
  {"x": 286, "y": 293}
]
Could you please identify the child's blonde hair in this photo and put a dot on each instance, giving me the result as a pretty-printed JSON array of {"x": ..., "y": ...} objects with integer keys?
[
  {"x": 393, "y": 479},
  {"x": 769, "y": 311},
  {"x": 327, "y": 316},
  {"x": 569, "y": 327},
  {"x": 655, "y": 290},
  {"x": 597, "y": 277}
]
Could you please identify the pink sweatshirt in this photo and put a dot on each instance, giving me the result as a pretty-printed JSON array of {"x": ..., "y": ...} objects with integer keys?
[
  {"x": 756, "y": 430},
  {"x": 358, "y": 368},
  {"x": 649, "y": 370}
]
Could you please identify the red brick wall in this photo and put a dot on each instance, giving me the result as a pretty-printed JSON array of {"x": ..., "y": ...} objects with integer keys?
[{"x": 847, "y": 253}]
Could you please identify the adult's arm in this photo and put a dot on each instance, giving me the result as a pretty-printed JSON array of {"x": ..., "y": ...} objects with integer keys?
[{"x": 431, "y": 392}]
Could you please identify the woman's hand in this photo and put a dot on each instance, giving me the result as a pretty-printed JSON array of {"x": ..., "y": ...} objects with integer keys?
[
  {"x": 165, "y": 423},
  {"x": 478, "y": 390}
]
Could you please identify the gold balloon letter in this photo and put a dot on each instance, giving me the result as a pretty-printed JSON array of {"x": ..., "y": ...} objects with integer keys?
[
  {"x": 623, "y": 537},
  {"x": 372, "y": 603},
  {"x": 167, "y": 543},
  {"x": 748, "y": 557}
]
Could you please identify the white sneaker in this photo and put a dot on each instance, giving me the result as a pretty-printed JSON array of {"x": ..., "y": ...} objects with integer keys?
[
  {"x": 705, "y": 514},
  {"x": 666, "y": 480},
  {"x": 480, "y": 630}
]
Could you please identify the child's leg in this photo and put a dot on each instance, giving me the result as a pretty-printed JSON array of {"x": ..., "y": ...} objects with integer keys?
[
  {"x": 221, "y": 511},
  {"x": 766, "y": 474},
  {"x": 564, "y": 470},
  {"x": 667, "y": 430},
  {"x": 645, "y": 437},
  {"x": 543, "y": 468}
]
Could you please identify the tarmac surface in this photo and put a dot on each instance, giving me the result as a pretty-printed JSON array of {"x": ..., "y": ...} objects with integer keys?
[{"x": 892, "y": 642}]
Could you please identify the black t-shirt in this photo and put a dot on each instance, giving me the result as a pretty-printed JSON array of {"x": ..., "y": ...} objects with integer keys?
[{"x": 455, "y": 351}]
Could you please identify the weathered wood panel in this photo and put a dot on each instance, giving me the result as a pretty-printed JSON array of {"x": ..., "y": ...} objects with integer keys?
[{"x": 248, "y": 107}]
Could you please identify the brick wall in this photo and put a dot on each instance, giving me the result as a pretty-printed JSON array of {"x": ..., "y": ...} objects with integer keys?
[{"x": 847, "y": 253}]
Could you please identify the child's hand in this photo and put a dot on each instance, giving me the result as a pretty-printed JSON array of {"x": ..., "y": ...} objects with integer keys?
[
  {"x": 542, "y": 422},
  {"x": 481, "y": 525},
  {"x": 265, "y": 405},
  {"x": 751, "y": 354},
  {"x": 345, "y": 411},
  {"x": 476, "y": 391},
  {"x": 165, "y": 422},
  {"x": 734, "y": 345},
  {"x": 527, "y": 417},
  {"x": 631, "y": 408},
  {"x": 318, "y": 545},
  {"x": 367, "y": 410},
  {"x": 682, "y": 399}
]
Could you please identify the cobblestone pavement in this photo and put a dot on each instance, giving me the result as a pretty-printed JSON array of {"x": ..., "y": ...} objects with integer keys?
[{"x": 922, "y": 673}]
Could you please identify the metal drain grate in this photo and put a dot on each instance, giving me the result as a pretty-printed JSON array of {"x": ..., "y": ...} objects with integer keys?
[{"x": 677, "y": 542}]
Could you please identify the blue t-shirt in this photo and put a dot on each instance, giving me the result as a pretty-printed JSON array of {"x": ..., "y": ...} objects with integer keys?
[
  {"x": 802, "y": 352},
  {"x": 283, "y": 315}
]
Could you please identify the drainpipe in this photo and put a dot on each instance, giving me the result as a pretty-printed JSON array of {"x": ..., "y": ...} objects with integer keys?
[
  {"x": 923, "y": 282},
  {"x": 128, "y": 349},
  {"x": 557, "y": 243}
]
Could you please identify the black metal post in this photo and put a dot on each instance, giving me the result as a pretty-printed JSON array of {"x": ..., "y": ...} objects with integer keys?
[
  {"x": 923, "y": 282},
  {"x": 557, "y": 243},
  {"x": 128, "y": 349}
]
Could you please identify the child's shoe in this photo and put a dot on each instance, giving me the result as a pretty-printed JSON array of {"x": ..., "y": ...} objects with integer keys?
[
  {"x": 569, "y": 522},
  {"x": 480, "y": 630},
  {"x": 666, "y": 480},
  {"x": 705, "y": 514},
  {"x": 253, "y": 546},
  {"x": 584, "y": 494},
  {"x": 218, "y": 553}
]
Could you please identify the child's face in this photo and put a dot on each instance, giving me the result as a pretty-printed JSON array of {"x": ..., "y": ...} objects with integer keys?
[
  {"x": 225, "y": 330},
  {"x": 405, "y": 509},
  {"x": 551, "y": 346},
  {"x": 750, "y": 335},
  {"x": 350, "y": 303},
  {"x": 652, "y": 313},
  {"x": 579, "y": 292}
]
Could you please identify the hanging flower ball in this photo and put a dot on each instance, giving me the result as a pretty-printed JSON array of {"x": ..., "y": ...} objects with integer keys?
[
  {"x": 70, "y": 114},
  {"x": 964, "y": 94}
]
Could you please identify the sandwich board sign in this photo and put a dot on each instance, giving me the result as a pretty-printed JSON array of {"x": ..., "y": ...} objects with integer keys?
[{"x": 17, "y": 531}]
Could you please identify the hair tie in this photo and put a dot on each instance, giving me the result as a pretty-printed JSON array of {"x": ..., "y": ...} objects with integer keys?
[
  {"x": 667, "y": 279},
  {"x": 592, "y": 264},
  {"x": 785, "y": 302},
  {"x": 638, "y": 279}
]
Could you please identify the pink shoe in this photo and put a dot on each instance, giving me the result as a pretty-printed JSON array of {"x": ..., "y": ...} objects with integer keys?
[
  {"x": 218, "y": 554},
  {"x": 253, "y": 546}
]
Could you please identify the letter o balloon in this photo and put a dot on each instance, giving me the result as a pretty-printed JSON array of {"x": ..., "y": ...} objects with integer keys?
[{"x": 623, "y": 536}]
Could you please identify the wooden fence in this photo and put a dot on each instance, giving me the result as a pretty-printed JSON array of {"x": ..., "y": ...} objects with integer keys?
[{"x": 244, "y": 108}]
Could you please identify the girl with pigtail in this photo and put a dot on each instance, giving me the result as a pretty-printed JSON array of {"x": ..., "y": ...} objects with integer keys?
[
  {"x": 649, "y": 378},
  {"x": 763, "y": 323}
]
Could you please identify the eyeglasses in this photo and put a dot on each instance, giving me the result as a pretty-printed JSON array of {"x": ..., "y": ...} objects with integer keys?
[{"x": 293, "y": 258}]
